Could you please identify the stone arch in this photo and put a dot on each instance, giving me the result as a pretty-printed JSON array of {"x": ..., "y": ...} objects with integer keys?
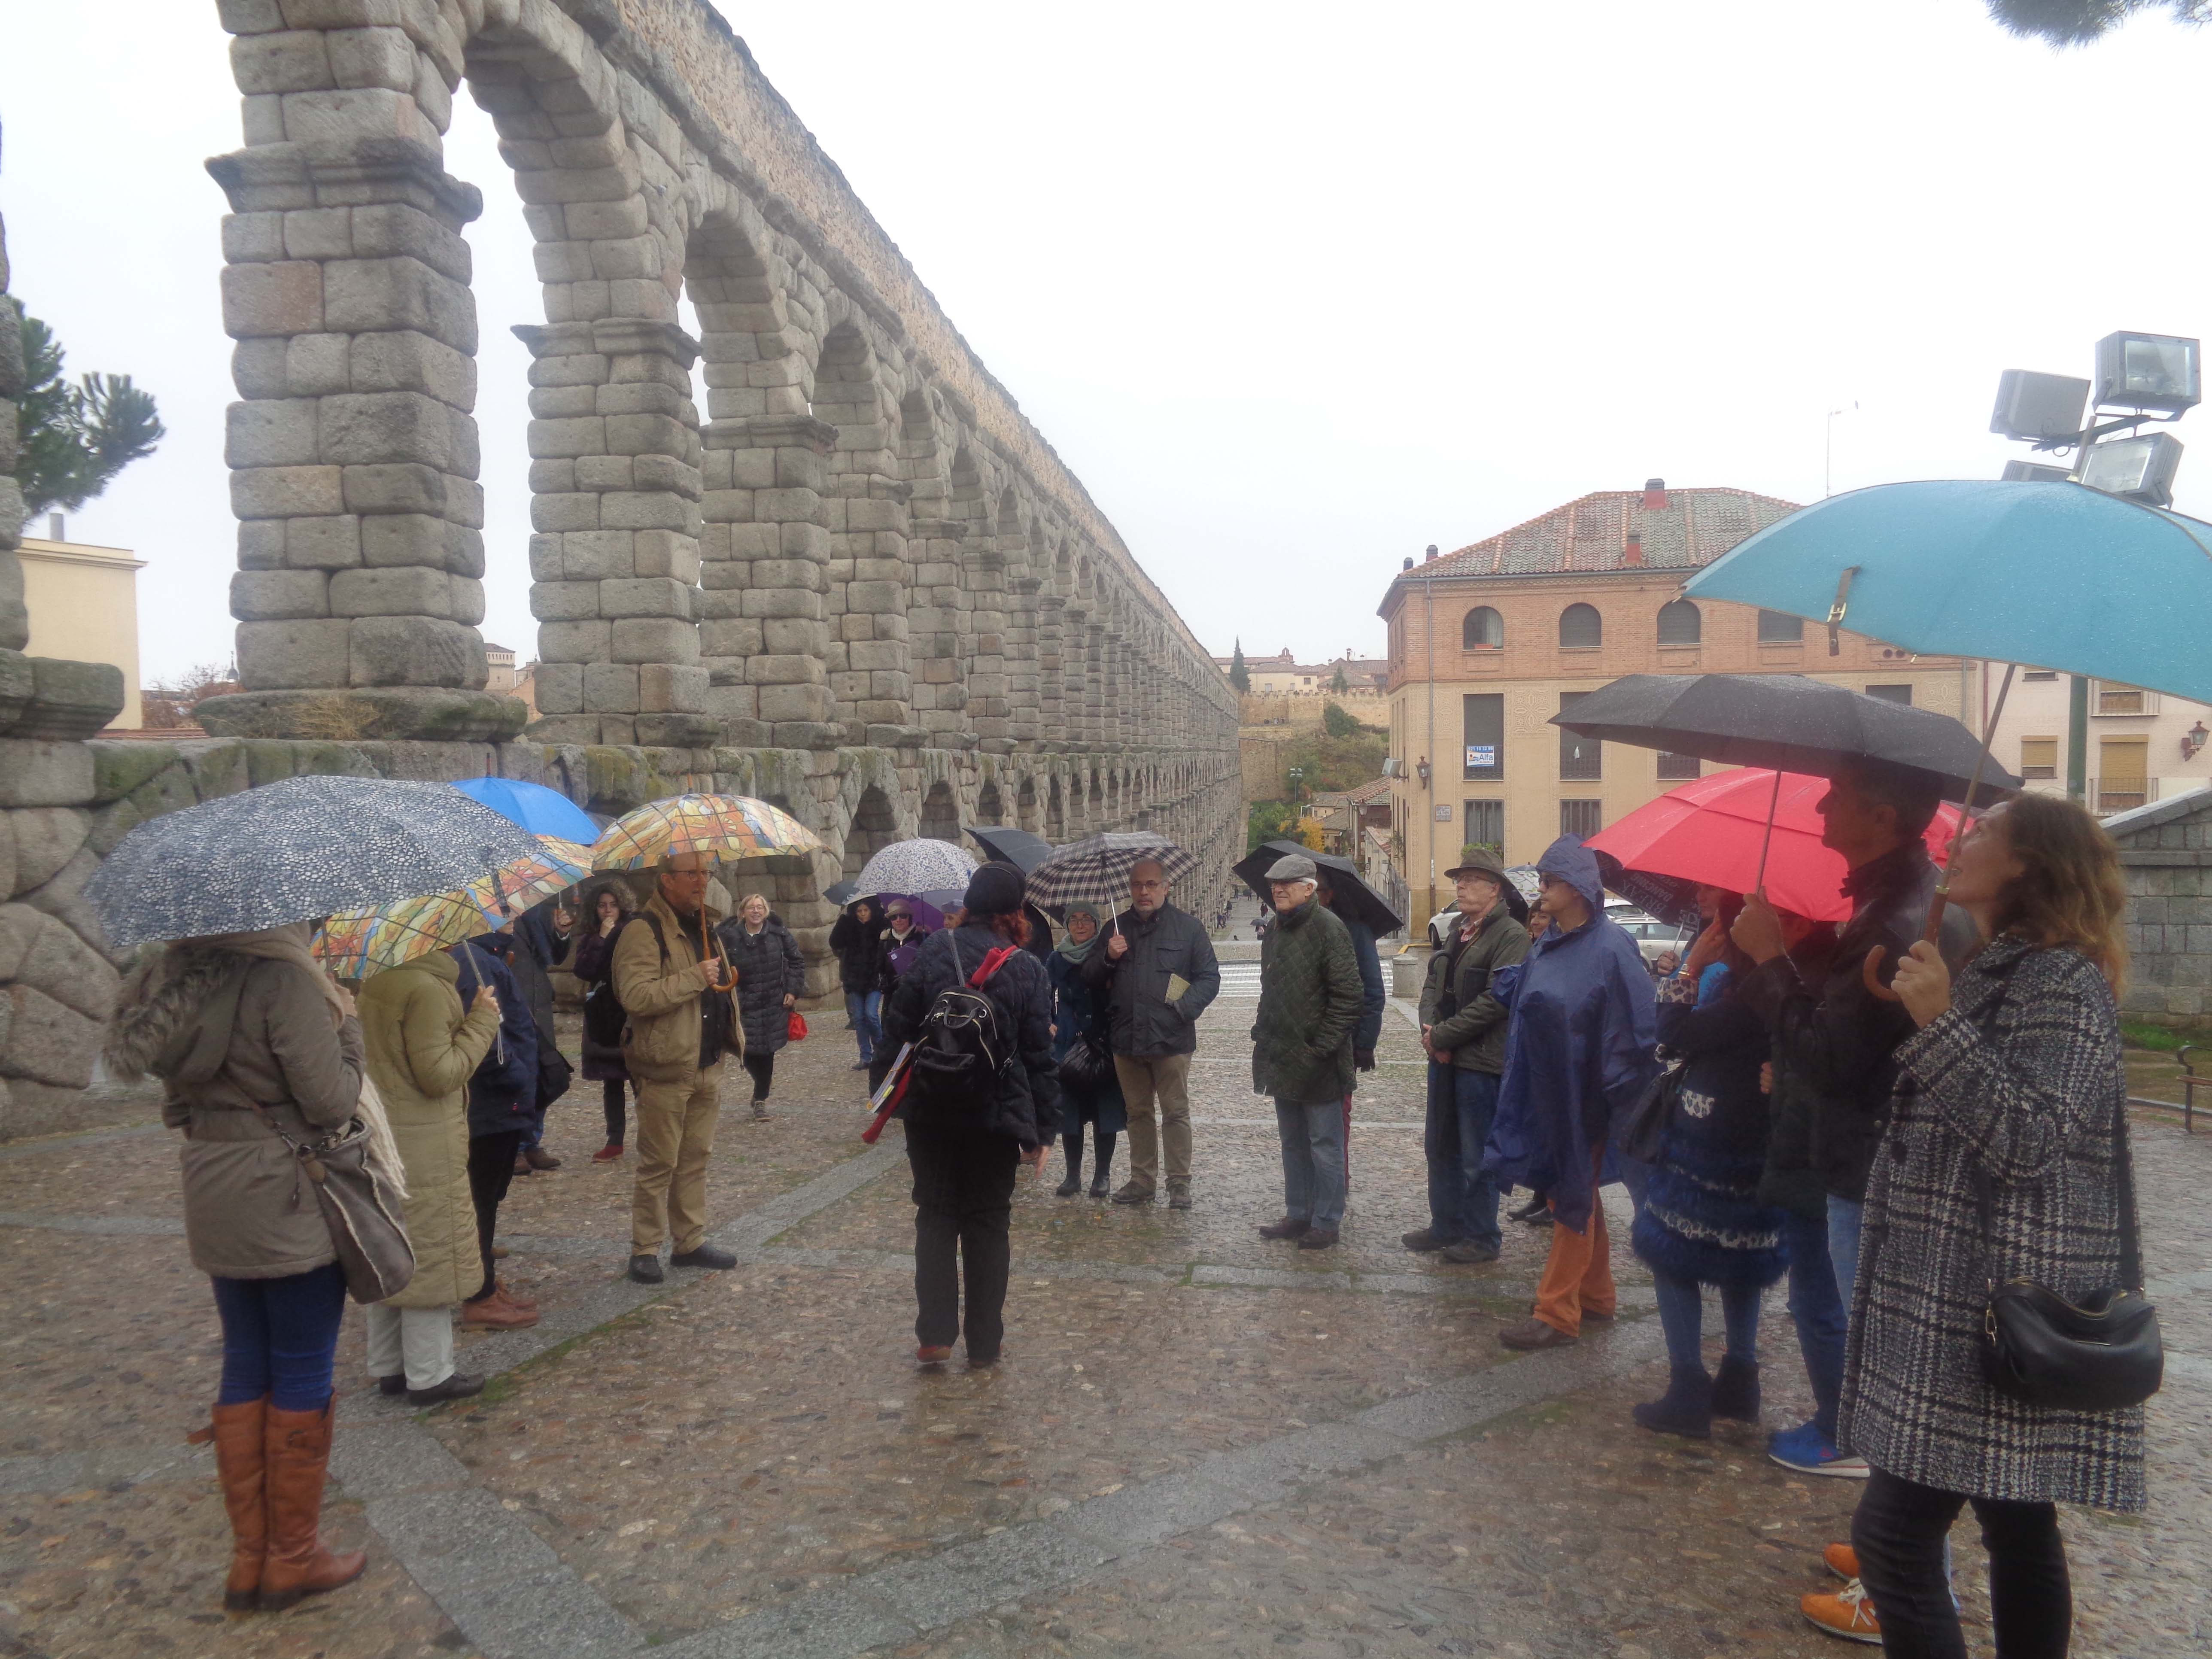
[
  {"x": 1055, "y": 812},
  {"x": 990, "y": 807},
  {"x": 1025, "y": 805},
  {"x": 940, "y": 813},
  {"x": 874, "y": 827}
]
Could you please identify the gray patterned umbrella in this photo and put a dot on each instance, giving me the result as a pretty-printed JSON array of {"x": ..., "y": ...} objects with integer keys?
[
  {"x": 293, "y": 851},
  {"x": 1096, "y": 870},
  {"x": 917, "y": 867}
]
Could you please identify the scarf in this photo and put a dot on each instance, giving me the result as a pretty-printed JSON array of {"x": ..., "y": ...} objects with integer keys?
[{"x": 1068, "y": 947}]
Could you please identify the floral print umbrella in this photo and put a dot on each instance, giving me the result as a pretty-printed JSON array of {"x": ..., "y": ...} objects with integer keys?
[{"x": 721, "y": 826}]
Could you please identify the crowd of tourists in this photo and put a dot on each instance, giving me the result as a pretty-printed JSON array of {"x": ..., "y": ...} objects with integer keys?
[{"x": 1772, "y": 1108}]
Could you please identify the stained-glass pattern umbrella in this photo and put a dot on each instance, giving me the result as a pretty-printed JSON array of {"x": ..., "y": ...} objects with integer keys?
[
  {"x": 720, "y": 826},
  {"x": 355, "y": 943},
  {"x": 296, "y": 850}
]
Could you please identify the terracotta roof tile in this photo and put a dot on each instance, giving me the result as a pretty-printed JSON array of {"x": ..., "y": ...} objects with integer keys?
[{"x": 1694, "y": 528}]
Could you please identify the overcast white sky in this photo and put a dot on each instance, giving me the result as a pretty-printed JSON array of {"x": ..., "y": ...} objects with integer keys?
[{"x": 1294, "y": 290}]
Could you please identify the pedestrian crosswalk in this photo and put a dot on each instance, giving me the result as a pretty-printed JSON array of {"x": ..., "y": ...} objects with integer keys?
[{"x": 1240, "y": 979}]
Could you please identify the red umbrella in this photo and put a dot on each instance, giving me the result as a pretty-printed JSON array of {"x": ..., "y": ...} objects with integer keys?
[{"x": 1714, "y": 831}]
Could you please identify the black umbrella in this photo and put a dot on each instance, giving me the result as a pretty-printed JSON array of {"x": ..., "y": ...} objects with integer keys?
[
  {"x": 1783, "y": 720},
  {"x": 294, "y": 851},
  {"x": 841, "y": 893},
  {"x": 1353, "y": 896},
  {"x": 1007, "y": 845}
]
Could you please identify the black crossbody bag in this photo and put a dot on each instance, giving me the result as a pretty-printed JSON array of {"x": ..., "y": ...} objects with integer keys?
[{"x": 2100, "y": 1354}]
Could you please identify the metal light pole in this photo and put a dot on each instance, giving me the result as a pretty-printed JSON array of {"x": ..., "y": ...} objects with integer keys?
[{"x": 1828, "y": 454}]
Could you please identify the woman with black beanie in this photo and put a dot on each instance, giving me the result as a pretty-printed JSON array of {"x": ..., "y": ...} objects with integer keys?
[{"x": 990, "y": 1104}]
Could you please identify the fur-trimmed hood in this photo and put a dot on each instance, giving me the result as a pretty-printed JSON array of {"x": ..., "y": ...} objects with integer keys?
[{"x": 161, "y": 997}]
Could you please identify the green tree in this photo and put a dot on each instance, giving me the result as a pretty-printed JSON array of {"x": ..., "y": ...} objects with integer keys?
[
  {"x": 1269, "y": 820},
  {"x": 1339, "y": 722},
  {"x": 1240, "y": 676},
  {"x": 1338, "y": 683},
  {"x": 2076, "y": 22},
  {"x": 1332, "y": 763},
  {"x": 76, "y": 438}
]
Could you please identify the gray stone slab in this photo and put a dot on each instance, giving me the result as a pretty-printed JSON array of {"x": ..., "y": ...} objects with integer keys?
[
  {"x": 613, "y": 1249},
  {"x": 47, "y": 1143},
  {"x": 1265, "y": 1471},
  {"x": 830, "y": 1623},
  {"x": 972, "y": 1578},
  {"x": 55, "y": 1472},
  {"x": 114, "y": 1465},
  {"x": 460, "y": 1539},
  {"x": 382, "y": 1459},
  {"x": 1138, "y": 1516},
  {"x": 1269, "y": 1278},
  {"x": 544, "y": 1615},
  {"x": 139, "y": 1227}
]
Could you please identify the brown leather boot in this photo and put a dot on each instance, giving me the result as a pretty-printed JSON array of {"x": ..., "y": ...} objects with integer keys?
[
  {"x": 237, "y": 1433},
  {"x": 297, "y": 1450}
]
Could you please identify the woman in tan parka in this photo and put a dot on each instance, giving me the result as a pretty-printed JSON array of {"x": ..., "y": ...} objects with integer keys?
[{"x": 421, "y": 1048}]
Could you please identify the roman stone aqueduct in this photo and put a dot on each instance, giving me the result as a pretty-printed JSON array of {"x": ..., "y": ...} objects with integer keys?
[{"x": 859, "y": 583}]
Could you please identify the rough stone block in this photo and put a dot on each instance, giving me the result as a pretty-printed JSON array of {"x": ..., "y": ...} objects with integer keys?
[
  {"x": 317, "y": 545},
  {"x": 562, "y": 512},
  {"x": 729, "y": 637},
  {"x": 279, "y": 595},
  {"x": 603, "y": 473},
  {"x": 413, "y": 650},
  {"x": 407, "y": 360},
  {"x": 653, "y": 510},
  {"x": 781, "y": 704},
  {"x": 38, "y": 773},
  {"x": 575, "y": 641},
  {"x": 664, "y": 689},
  {"x": 644, "y": 596},
  {"x": 266, "y": 299},
  {"x": 393, "y": 591},
  {"x": 45, "y": 839},
  {"x": 560, "y": 687},
  {"x": 468, "y": 600},
  {"x": 790, "y": 604},
  {"x": 372, "y": 427},
  {"x": 63, "y": 967},
  {"x": 645, "y": 434},
  {"x": 655, "y": 639},
  {"x": 393, "y": 488},
  {"x": 389, "y": 540},
  {"x": 554, "y": 602},
  {"x": 610, "y": 688},
  {"x": 48, "y": 1041},
  {"x": 286, "y": 492},
  {"x": 361, "y": 296},
  {"x": 270, "y": 433}
]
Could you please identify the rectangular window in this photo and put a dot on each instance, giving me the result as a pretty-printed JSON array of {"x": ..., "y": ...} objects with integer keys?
[
  {"x": 1485, "y": 725},
  {"x": 1673, "y": 767},
  {"x": 1579, "y": 757},
  {"x": 1775, "y": 629},
  {"x": 1582, "y": 817},
  {"x": 2039, "y": 674},
  {"x": 1485, "y": 825},
  {"x": 2039, "y": 757},
  {"x": 2122, "y": 764},
  {"x": 2124, "y": 699},
  {"x": 1891, "y": 694}
]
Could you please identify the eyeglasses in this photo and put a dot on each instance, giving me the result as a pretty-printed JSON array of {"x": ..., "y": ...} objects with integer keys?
[{"x": 1147, "y": 886}]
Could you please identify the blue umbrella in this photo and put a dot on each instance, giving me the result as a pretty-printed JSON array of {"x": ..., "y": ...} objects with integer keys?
[
  {"x": 2053, "y": 576},
  {"x": 540, "y": 811}
]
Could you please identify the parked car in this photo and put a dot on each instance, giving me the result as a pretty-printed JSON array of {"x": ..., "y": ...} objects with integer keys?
[{"x": 1653, "y": 937}]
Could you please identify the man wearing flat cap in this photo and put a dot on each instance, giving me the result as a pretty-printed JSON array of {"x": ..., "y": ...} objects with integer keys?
[
  {"x": 1310, "y": 1000},
  {"x": 674, "y": 987}
]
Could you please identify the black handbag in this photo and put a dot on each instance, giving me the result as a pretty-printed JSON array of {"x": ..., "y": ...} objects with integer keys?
[
  {"x": 1087, "y": 1065},
  {"x": 2096, "y": 1355},
  {"x": 1644, "y": 1126}
]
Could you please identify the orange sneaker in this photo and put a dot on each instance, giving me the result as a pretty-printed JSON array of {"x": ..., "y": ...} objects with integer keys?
[
  {"x": 930, "y": 1354},
  {"x": 1843, "y": 1561},
  {"x": 1847, "y": 1614}
]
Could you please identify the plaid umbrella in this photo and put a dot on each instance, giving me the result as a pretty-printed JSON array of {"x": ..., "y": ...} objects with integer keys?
[
  {"x": 358, "y": 943},
  {"x": 721, "y": 826},
  {"x": 1096, "y": 870},
  {"x": 915, "y": 867},
  {"x": 294, "y": 851}
]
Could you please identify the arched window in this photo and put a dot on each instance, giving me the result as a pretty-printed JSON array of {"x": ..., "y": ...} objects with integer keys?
[
  {"x": 1679, "y": 624},
  {"x": 1580, "y": 628},
  {"x": 1776, "y": 629},
  {"x": 1483, "y": 630}
]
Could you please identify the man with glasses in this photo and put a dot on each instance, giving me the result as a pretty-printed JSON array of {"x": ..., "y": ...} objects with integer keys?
[{"x": 1158, "y": 975}]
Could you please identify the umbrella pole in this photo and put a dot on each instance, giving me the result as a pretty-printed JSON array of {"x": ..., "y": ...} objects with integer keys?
[
  {"x": 1773, "y": 806},
  {"x": 1942, "y": 900}
]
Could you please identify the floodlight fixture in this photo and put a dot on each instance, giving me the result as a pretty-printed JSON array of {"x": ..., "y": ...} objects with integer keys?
[
  {"x": 2035, "y": 472},
  {"x": 2039, "y": 408},
  {"x": 2148, "y": 371},
  {"x": 2142, "y": 468}
]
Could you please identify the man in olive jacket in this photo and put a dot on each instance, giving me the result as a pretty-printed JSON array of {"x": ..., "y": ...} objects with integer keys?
[
  {"x": 674, "y": 987},
  {"x": 1463, "y": 1030},
  {"x": 1310, "y": 998},
  {"x": 1147, "y": 948}
]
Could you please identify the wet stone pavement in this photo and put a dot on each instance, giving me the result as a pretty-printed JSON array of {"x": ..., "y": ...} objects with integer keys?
[{"x": 1198, "y": 1442}]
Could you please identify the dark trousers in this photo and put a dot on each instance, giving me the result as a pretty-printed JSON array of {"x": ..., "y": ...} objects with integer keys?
[
  {"x": 491, "y": 1171},
  {"x": 612, "y": 1100},
  {"x": 1463, "y": 1194},
  {"x": 963, "y": 1201},
  {"x": 1900, "y": 1531},
  {"x": 279, "y": 1335},
  {"x": 761, "y": 1069}
]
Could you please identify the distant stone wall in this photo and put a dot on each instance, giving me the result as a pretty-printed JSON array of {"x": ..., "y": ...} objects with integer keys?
[{"x": 2167, "y": 851}]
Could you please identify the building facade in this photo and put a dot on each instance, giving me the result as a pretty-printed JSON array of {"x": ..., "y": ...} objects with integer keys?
[
  {"x": 83, "y": 606},
  {"x": 2144, "y": 747},
  {"x": 1488, "y": 643}
]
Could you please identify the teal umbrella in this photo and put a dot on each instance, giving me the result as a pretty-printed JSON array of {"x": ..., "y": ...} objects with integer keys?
[{"x": 2052, "y": 575}]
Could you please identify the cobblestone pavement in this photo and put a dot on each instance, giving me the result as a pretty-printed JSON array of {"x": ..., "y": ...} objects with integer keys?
[{"x": 1198, "y": 1442}]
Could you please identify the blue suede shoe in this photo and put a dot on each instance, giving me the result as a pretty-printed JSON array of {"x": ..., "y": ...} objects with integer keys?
[{"x": 1808, "y": 1451}]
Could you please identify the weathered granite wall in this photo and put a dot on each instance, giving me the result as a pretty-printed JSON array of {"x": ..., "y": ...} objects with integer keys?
[{"x": 2166, "y": 849}]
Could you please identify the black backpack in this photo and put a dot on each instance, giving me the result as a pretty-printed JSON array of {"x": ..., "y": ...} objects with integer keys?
[{"x": 960, "y": 1052}]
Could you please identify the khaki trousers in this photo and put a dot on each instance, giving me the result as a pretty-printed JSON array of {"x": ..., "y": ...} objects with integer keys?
[
  {"x": 1161, "y": 1084},
  {"x": 675, "y": 1133}
]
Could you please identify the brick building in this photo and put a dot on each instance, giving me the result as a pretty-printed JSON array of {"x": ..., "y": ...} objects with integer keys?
[{"x": 1487, "y": 643}]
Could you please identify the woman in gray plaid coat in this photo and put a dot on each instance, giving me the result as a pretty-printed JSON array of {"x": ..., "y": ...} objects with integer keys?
[{"x": 2014, "y": 1075}]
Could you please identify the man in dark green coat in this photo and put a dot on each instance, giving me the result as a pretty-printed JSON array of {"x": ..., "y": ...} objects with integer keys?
[{"x": 1310, "y": 998}]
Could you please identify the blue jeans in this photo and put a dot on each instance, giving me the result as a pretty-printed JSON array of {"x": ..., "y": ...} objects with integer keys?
[
  {"x": 1313, "y": 1163},
  {"x": 1844, "y": 1218},
  {"x": 1819, "y": 1313},
  {"x": 1463, "y": 1194},
  {"x": 278, "y": 1337},
  {"x": 1682, "y": 1317},
  {"x": 866, "y": 1010}
]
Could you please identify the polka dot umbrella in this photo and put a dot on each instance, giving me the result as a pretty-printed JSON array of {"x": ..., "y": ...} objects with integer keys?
[{"x": 296, "y": 850}]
